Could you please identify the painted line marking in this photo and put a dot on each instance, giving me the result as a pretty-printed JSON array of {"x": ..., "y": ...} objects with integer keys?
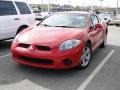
[
  {"x": 5, "y": 56},
  {"x": 23, "y": 85},
  {"x": 94, "y": 73}
]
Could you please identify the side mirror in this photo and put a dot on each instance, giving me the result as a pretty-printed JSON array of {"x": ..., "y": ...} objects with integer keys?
[
  {"x": 91, "y": 27},
  {"x": 98, "y": 26}
]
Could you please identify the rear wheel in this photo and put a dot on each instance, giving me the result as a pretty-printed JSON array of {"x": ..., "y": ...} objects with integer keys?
[
  {"x": 108, "y": 23},
  {"x": 85, "y": 59},
  {"x": 117, "y": 24}
]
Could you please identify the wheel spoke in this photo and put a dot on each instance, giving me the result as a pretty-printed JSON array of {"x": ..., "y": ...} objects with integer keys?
[
  {"x": 86, "y": 52},
  {"x": 83, "y": 61},
  {"x": 87, "y": 57}
]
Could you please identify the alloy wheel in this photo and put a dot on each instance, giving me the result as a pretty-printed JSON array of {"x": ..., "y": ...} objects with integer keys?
[{"x": 85, "y": 59}]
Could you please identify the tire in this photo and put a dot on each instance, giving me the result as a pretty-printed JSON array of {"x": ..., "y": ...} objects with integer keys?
[
  {"x": 108, "y": 23},
  {"x": 104, "y": 43},
  {"x": 117, "y": 24},
  {"x": 86, "y": 57},
  {"x": 20, "y": 29}
]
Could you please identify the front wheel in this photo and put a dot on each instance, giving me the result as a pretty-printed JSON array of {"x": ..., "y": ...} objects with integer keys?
[{"x": 85, "y": 59}]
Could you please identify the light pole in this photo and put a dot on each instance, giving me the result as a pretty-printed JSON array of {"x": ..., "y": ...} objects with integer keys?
[
  {"x": 117, "y": 7},
  {"x": 92, "y": 8},
  {"x": 42, "y": 6},
  {"x": 101, "y": 4},
  {"x": 27, "y": 1},
  {"x": 49, "y": 6},
  {"x": 69, "y": 2},
  {"x": 56, "y": 2}
]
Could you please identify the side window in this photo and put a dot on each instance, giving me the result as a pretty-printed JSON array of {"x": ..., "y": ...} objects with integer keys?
[
  {"x": 7, "y": 8},
  {"x": 23, "y": 8},
  {"x": 94, "y": 20}
]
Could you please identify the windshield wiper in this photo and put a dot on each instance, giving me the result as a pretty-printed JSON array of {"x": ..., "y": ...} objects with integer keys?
[
  {"x": 46, "y": 25},
  {"x": 65, "y": 26}
]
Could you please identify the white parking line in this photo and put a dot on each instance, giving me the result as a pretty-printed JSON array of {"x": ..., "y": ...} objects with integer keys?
[
  {"x": 5, "y": 56},
  {"x": 93, "y": 74},
  {"x": 23, "y": 85}
]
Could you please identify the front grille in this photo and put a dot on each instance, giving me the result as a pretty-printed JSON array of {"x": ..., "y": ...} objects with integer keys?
[
  {"x": 24, "y": 45},
  {"x": 36, "y": 60},
  {"x": 43, "y": 48}
]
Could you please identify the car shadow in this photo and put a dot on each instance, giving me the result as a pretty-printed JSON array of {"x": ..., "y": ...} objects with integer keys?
[
  {"x": 12, "y": 73},
  {"x": 5, "y": 44}
]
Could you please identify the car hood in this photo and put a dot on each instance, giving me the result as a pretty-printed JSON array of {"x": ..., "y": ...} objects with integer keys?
[{"x": 50, "y": 36}]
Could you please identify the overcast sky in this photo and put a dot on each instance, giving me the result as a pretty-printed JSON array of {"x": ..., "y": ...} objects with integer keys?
[{"x": 108, "y": 3}]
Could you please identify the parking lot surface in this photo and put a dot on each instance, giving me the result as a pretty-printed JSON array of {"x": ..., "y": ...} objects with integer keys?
[{"x": 102, "y": 74}]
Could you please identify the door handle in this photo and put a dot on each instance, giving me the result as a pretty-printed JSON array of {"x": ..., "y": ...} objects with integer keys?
[{"x": 16, "y": 18}]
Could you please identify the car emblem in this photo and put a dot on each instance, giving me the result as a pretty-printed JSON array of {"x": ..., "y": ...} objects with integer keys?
[{"x": 31, "y": 48}]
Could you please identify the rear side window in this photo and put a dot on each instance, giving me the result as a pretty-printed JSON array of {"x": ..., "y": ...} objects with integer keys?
[
  {"x": 7, "y": 8},
  {"x": 23, "y": 8}
]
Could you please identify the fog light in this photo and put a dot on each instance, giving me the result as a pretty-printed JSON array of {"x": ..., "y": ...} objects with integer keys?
[{"x": 67, "y": 62}]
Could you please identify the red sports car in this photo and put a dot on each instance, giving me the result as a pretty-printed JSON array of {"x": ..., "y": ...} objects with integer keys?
[{"x": 63, "y": 40}]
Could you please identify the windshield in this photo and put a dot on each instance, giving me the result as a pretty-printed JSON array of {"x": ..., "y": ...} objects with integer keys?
[{"x": 65, "y": 20}]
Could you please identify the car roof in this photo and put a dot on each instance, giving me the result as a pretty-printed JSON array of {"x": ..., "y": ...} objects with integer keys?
[
  {"x": 77, "y": 12},
  {"x": 15, "y": 0}
]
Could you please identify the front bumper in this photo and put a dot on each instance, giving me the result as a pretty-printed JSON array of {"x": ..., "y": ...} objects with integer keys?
[{"x": 55, "y": 57}]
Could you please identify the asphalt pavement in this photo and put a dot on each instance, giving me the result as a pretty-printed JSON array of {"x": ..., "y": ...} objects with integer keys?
[{"x": 103, "y": 72}]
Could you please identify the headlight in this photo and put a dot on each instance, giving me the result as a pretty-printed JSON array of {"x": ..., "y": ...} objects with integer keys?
[{"x": 69, "y": 44}]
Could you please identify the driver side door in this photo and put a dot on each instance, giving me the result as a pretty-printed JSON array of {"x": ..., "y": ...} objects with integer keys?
[{"x": 95, "y": 32}]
